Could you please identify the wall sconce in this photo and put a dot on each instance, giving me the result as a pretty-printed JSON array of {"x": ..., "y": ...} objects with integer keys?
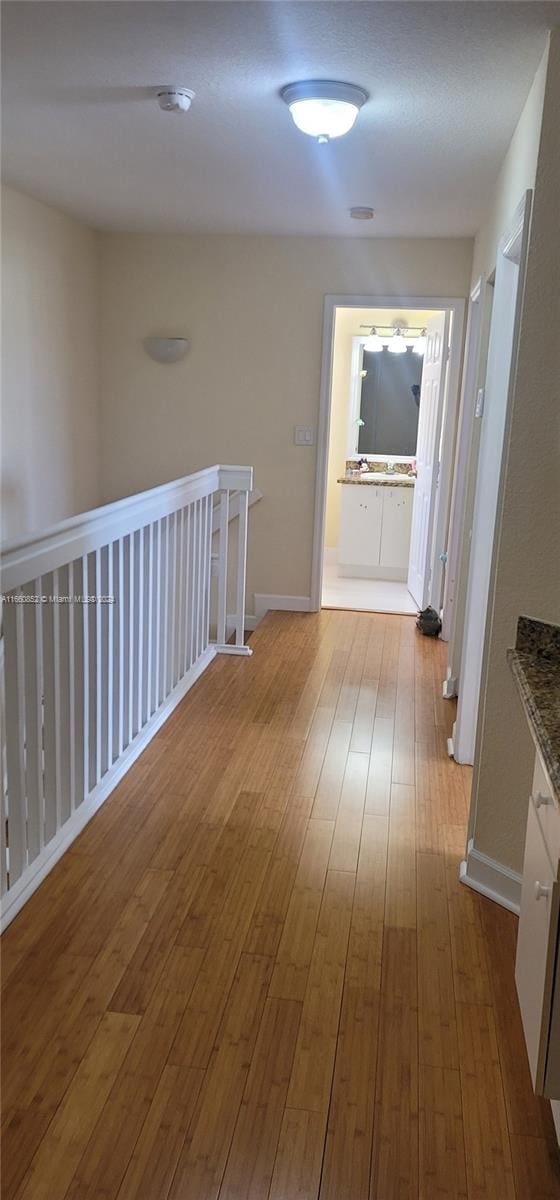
[{"x": 166, "y": 350}]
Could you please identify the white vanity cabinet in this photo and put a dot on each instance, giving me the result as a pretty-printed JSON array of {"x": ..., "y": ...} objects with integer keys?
[
  {"x": 395, "y": 532},
  {"x": 375, "y": 523},
  {"x": 537, "y": 970}
]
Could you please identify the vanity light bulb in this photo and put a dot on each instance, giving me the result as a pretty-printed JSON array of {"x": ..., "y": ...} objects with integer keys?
[
  {"x": 397, "y": 344},
  {"x": 419, "y": 346},
  {"x": 373, "y": 343}
]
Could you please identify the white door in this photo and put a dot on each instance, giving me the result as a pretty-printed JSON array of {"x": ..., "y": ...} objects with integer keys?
[
  {"x": 427, "y": 457},
  {"x": 508, "y": 289}
]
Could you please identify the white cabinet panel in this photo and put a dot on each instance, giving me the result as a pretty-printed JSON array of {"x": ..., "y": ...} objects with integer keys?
[
  {"x": 536, "y": 947},
  {"x": 360, "y": 525},
  {"x": 547, "y": 808},
  {"x": 397, "y": 520}
]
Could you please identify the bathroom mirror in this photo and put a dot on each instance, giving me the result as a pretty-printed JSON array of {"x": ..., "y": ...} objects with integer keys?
[{"x": 389, "y": 404}]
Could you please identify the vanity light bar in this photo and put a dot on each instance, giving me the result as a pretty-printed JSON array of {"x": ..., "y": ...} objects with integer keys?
[{"x": 404, "y": 329}]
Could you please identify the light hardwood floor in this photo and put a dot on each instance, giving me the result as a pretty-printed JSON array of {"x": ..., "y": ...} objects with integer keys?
[{"x": 255, "y": 974}]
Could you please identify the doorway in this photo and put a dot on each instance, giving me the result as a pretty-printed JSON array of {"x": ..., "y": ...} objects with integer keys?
[
  {"x": 388, "y": 412},
  {"x": 493, "y": 409}
]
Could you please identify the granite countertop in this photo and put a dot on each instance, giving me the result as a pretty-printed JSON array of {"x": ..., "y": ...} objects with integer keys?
[
  {"x": 369, "y": 477},
  {"x": 535, "y": 663}
]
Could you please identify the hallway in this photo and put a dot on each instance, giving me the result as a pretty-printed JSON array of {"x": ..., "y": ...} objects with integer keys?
[{"x": 256, "y": 975}]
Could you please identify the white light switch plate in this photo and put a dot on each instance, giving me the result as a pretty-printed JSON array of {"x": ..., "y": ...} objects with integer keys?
[{"x": 304, "y": 435}]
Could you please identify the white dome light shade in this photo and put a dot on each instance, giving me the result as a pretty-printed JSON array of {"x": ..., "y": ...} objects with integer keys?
[
  {"x": 324, "y": 109},
  {"x": 166, "y": 349},
  {"x": 419, "y": 346},
  {"x": 373, "y": 343},
  {"x": 397, "y": 344}
]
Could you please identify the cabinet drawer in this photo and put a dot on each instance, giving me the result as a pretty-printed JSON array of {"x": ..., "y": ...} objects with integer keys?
[
  {"x": 536, "y": 947},
  {"x": 548, "y": 811}
]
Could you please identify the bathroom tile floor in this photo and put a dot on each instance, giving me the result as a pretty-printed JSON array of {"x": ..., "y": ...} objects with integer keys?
[{"x": 364, "y": 595}]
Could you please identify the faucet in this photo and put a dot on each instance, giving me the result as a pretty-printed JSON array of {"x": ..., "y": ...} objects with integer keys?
[{"x": 390, "y": 467}]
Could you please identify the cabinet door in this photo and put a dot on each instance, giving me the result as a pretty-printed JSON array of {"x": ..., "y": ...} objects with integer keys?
[
  {"x": 537, "y": 941},
  {"x": 360, "y": 525},
  {"x": 397, "y": 520}
]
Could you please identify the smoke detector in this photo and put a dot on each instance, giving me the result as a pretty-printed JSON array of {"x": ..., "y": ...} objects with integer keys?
[{"x": 175, "y": 99}]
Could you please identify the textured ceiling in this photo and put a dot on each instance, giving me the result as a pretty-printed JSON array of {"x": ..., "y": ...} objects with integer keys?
[{"x": 447, "y": 82}]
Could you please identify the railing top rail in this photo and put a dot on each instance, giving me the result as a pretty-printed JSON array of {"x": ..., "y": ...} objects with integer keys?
[{"x": 25, "y": 559}]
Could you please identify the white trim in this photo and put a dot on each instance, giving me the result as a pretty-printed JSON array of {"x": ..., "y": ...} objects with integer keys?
[
  {"x": 387, "y": 574},
  {"x": 355, "y": 396},
  {"x": 491, "y": 879},
  {"x": 38, "y": 553},
  {"x": 231, "y": 648},
  {"x": 449, "y": 687},
  {"x": 555, "y": 1106},
  {"x": 465, "y": 422},
  {"x": 250, "y": 623},
  {"x": 456, "y": 305},
  {"x": 265, "y": 603},
  {"x": 470, "y": 382},
  {"x": 488, "y": 490},
  {"x": 234, "y": 509},
  {"x": 19, "y": 894}
]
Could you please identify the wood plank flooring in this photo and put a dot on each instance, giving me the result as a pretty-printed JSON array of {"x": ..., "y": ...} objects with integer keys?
[{"x": 255, "y": 976}]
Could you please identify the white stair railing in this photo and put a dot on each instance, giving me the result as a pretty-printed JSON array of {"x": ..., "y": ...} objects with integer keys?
[{"x": 106, "y": 625}]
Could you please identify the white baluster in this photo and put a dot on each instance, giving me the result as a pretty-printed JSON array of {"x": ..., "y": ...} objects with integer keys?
[
  {"x": 33, "y": 670},
  {"x": 241, "y": 569},
  {"x": 50, "y": 741},
  {"x": 132, "y": 600},
  {"x": 15, "y": 738},
  {"x": 149, "y": 651},
  {"x": 121, "y": 660},
  {"x": 64, "y": 728},
  {"x": 223, "y": 567},
  {"x": 86, "y": 675},
  {"x": 140, "y": 649}
]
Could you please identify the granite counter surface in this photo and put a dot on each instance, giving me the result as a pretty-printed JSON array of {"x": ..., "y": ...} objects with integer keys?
[
  {"x": 535, "y": 663},
  {"x": 369, "y": 478}
]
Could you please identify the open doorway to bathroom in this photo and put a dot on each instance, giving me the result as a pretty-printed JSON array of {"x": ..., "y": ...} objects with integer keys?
[{"x": 392, "y": 373}]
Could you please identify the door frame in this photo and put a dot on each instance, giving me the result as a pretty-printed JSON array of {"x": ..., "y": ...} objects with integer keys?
[
  {"x": 512, "y": 245},
  {"x": 456, "y": 306},
  {"x": 465, "y": 425}
]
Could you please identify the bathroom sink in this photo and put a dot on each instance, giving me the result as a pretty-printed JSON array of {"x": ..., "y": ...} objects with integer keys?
[{"x": 385, "y": 476}]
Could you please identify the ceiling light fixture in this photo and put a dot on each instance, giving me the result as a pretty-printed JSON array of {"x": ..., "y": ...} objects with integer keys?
[
  {"x": 361, "y": 213},
  {"x": 323, "y": 108},
  {"x": 420, "y": 342},
  {"x": 373, "y": 344},
  {"x": 397, "y": 344},
  {"x": 175, "y": 99}
]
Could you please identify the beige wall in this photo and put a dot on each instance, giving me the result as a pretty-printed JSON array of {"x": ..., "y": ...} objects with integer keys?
[
  {"x": 50, "y": 415},
  {"x": 517, "y": 173},
  {"x": 526, "y": 574},
  {"x": 348, "y": 322},
  {"x": 253, "y": 309}
]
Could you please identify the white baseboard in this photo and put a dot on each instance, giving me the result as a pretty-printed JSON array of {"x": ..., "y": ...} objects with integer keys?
[
  {"x": 265, "y": 602},
  {"x": 44, "y": 863},
  {"x": 491, "y": 879},
  {"x": 555, "y": 1106},
  {"x": 385, "y": 574}
]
